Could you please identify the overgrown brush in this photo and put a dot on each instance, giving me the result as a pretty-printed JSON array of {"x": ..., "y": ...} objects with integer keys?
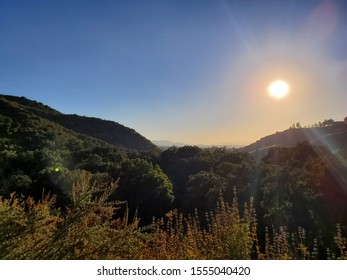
[
  {"x": 90, "y": 229},
  {"x": 223, "y": 235},
  {"x": 87, "y": 229}
]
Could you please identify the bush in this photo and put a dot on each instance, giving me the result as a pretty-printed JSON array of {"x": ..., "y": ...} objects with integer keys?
[{"x": 85, "y": 230}]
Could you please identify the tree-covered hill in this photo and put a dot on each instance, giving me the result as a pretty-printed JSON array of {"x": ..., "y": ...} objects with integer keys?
[
  {"x": 39, "y": 155},
  {"x": 331, "y": 134},
  {"x": 108, "y": 131}
]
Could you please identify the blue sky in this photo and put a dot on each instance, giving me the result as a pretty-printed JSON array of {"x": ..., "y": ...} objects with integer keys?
[{"x": 188, "y": 71}]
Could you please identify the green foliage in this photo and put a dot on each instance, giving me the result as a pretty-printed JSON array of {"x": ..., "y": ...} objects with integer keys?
[
  {"x": 288, "y": 198},
  {"x": 37, "y": 153},
  {"x": 203, "y": 190},
  {"x": 146, "y": 188},
  {"x": 108, "y": 131},
  {"x": 209, "y": 172},
  {"x": 309, "y": 180}
]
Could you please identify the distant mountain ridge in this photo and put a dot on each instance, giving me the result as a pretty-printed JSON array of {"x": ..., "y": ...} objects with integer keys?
[
  {"x": 168, "y": 143},
  {"x": 108, "y": 131}
]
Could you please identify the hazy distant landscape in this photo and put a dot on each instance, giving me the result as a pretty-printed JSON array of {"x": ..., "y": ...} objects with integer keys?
[{"x": 164, "y": 144}]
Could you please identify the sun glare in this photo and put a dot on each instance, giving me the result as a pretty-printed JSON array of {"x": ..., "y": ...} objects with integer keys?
[{"x": 278, "y": 89}]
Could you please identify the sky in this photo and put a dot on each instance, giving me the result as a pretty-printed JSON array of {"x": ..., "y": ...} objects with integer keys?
[{"x": 195, "y": 72}]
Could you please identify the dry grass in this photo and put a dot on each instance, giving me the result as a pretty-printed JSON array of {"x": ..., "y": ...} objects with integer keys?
[{"x": 88, "y": 229}]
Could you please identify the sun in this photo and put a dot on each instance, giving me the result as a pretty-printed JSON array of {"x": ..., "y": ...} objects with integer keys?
[{"x": 278, "y": 89}]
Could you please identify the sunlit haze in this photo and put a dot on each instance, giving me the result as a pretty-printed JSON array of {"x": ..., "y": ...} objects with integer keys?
[{"x": 197, "y": 72}]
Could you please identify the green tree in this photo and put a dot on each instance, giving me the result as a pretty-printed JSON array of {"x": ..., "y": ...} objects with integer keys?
[
  {"x": 203, "y": 191},
  {"x": 289, "y": 198},
  {"x": 145, "y": 188}
]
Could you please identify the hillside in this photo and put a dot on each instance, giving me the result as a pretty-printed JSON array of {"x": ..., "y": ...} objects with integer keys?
[
  {"x": 39, "y": 154},
  {"x": 333, "y": 137},
  {"x": 108, "y": 131}
]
